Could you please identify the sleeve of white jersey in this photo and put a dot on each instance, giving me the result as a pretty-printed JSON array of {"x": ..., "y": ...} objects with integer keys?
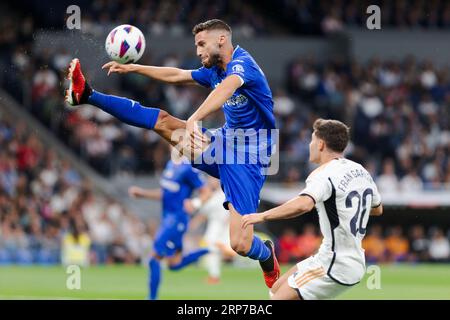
[
  {"x": 376, "y": 200},
  {"x": 317, "y": 187}
]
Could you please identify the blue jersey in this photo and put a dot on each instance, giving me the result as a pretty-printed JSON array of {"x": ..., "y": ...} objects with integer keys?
[
  {"x": 251, "y": 106},
  {"x": 178, "y": 181}
]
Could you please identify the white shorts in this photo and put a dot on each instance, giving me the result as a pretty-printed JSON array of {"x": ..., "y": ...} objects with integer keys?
[{"x": 312, "y": 282}]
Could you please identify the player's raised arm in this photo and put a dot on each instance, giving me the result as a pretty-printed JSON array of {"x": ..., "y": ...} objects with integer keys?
[
  {"x": 217, "y": 97},
  {"x": 152, "y": 194},
  {"x": 291, "y": 209},
  {"x": 213, "y": 102},
  {"x": 164, "y": 74}
]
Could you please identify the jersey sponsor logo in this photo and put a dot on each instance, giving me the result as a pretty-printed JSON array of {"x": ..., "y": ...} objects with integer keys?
[
  {"x": 170, "y": 185},
  {"x": 237, "y": 101}
]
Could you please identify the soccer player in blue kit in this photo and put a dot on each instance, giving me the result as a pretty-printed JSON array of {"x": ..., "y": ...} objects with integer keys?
[
  {"x": 241, "y": 89},
  {"x": 179, "y": 180}
]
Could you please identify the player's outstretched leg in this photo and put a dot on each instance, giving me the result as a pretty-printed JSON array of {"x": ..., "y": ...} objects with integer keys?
[
  {"x": 154, "y": 277},
  {"x": 126, "y": 110},
  {"x": 188, "y": 259},
  {"x": 245, "y": 243},
  {"x": 213, "y": 261},
  {"x": 281, "y": 289}
]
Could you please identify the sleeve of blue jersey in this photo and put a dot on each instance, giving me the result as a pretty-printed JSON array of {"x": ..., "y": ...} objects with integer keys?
[{"x": 202, "y": 76}]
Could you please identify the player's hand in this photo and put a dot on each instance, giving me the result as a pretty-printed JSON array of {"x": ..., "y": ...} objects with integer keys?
[
  {"x": 188, "y": 206},
  {"x": 196, "y": 138},
  {"x": 134, "y": 191},
  {"x": 251, "y": 219},
  {"x": 114, "y": 66}
]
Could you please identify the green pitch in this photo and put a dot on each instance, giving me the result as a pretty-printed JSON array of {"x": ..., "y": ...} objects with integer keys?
[{"x": 129, "y": 282}]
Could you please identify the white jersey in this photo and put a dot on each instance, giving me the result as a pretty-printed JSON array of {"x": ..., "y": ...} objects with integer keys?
[
  {"x": 218, "y": 225},
  {"x": 213, "y": 207},
  {"x": 344, "y": 193}
]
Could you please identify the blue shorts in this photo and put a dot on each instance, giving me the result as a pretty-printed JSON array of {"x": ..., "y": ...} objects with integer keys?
[
  {"x": 169, "y": 238},
  {"x": 241, "y": 182}
]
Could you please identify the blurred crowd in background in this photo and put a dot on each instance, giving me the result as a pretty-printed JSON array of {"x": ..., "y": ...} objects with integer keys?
[
  {"x": 313, "y": 17},
  {"x": 398, "y": 112},
  {"x": 44, "y": 203},
  {"x": 381, "y": 244},
  {"x": 252, "y": 18}
]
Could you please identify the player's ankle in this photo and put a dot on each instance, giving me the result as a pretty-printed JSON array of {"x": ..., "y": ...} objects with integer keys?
[{"x": 87, "y": 92}]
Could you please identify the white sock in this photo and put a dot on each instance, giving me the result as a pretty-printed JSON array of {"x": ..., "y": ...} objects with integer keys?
[{"x": 213, "y": 261}]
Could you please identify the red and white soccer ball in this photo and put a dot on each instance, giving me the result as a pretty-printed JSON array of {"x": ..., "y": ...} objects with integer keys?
[{"x": 125, "y": 44}]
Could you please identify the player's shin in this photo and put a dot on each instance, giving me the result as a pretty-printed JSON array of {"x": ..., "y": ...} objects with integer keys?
[
  {"x": 126, "y": 110},
  {"x": 154, "y": 278},
  {"x": 259, "y": 251}
]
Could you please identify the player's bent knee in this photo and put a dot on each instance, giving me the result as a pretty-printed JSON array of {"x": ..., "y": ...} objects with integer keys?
[{"x": 240, "y": 247}]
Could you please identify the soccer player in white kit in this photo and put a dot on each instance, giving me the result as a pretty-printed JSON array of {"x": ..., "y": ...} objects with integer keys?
[
  {"x": 344, "y": 195},
  {"x": 217, "y": 228}
]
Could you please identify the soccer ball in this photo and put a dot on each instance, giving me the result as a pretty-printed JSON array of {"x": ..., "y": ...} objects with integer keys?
[{"x": 125, "y": 44}]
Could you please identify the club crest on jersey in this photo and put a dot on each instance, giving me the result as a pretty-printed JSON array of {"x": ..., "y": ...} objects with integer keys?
[{"x": 238, "y": 68}]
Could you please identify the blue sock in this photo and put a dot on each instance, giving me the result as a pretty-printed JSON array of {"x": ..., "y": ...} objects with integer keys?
[
  {"x": 258, "y": 250},
  {"x": 154, "y": 278},
  {"x": 126, "y": 110},
  {"x": 188, "y": 259}
]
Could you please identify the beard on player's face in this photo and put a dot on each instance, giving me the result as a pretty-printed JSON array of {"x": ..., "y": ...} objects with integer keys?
[{"x": 213, "y": 58}]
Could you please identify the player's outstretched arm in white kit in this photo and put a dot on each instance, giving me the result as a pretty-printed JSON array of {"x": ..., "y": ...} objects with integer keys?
[
  {"x": 377, "y": 211},
  {"x": 291, "y": 209}
]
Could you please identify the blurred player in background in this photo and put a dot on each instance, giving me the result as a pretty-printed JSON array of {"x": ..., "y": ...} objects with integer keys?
[
  {"x": 344, "y": 195},
  {"x": 241, "y": 89},
  {"x": 179, "y": 180},
  {"x": 217, "y": 228}
]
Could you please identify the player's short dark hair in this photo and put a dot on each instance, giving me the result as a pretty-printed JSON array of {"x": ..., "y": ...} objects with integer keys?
[
  {"x": 213, "y": 24},
  {"x": 335, "y": 133}
]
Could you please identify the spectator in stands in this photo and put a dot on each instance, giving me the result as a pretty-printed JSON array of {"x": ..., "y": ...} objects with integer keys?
[
  {"x": 75, "y": 246},
  {"x": 411, "y": 182},
  {"x": 439, "y": 249},
  {"x": 308, "y": 241},
  {"x": 418, "y": 244},
  {"x": 387, "y": 182},
  {"x": 374, "y": 245},
  {"x": 288, "y": 246},
  {"x": 102, "y": 232},
  {"x": 397, "y": 245}
]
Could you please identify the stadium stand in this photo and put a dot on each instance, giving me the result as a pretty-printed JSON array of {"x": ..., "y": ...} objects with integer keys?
[{"x": 397, "y": 108}]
